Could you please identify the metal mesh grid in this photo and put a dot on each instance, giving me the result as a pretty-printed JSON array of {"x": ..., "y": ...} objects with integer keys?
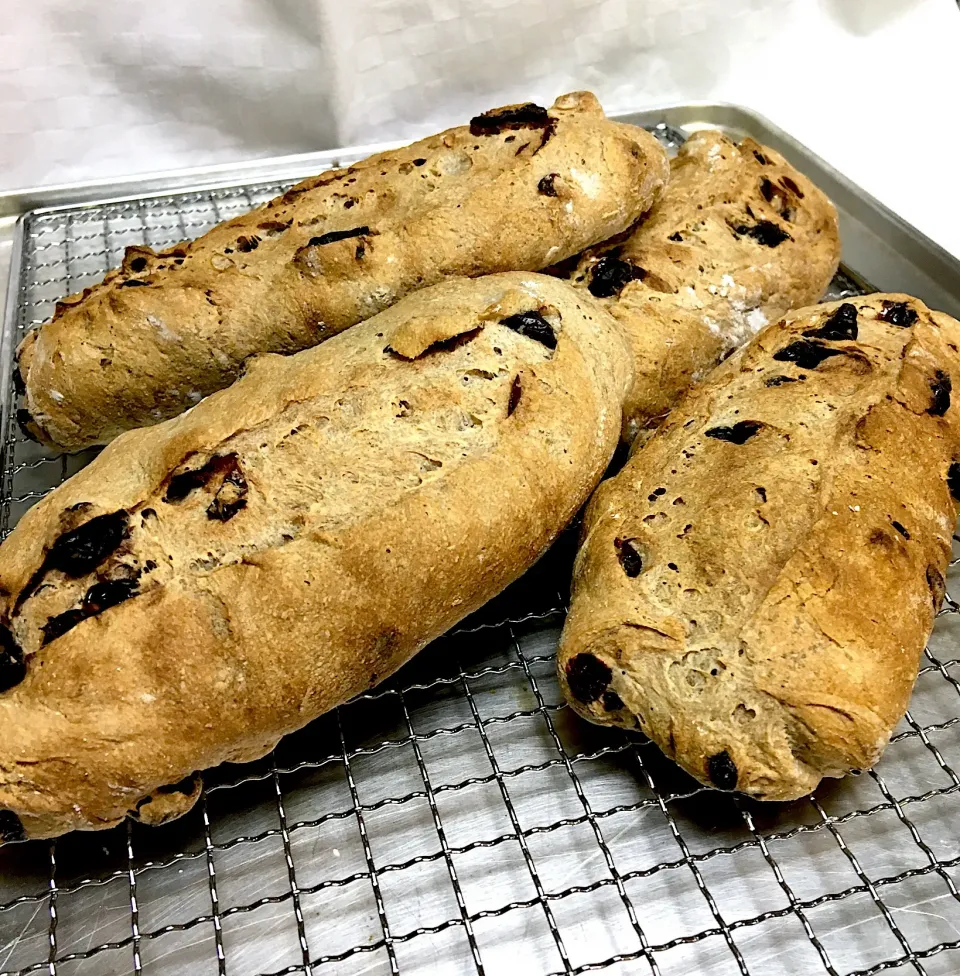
[{"x": 459, "y": 818}]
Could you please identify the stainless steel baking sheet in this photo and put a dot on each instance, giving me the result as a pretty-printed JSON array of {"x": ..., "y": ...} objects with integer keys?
[{"x": 460, "y": 819}]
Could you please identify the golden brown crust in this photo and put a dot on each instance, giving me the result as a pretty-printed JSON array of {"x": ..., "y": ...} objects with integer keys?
[
  {"x": 716, "y": 267},
  {"x": 167, "y": 329},
  {"x": 292, "y": 540},
  {"x": 757, "y": 585}
]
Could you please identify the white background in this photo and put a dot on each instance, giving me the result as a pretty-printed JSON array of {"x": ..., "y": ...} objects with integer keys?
[{"x": 96, "y": 88}]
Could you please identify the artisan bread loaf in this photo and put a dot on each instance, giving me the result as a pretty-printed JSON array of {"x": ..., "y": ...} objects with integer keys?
[
  {"x": 209, "y": 584},
  {"x": 517, "y": 189},
  {"x": 756, "y": 586},
  {"x": 738, "y": 238}
]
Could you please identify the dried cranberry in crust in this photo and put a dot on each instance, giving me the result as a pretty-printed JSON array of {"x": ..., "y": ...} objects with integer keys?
[
  {"x": 610, "y": 275},
  {"x": 629, "y": 556},
  {"x": 612, "y": 702},
  {"x": 11, "y": 829},
  {"x": 587, "y": 677},
  {"x": 938, "y": 587},
  {"x": 940, "y": 387},
  {"x": 807, "y": 355},
  {"x": 840, "y": 326},
  {"x": 516, "y": 391},
  {"x": 337, "y": 235},
  {"x": 779, "y": 380},
  {"x": 134, "y": 283},
  {"x": 81, "y": 551},
  {"x": 526, "y": 116},
  {"x": 13, "y": 668},
  {"x": 546, "y": 187},
  {"x": 764, "y": 232},
  {"x": 739, "y": 433},
  {"x": 675, "y": 236},
  {"x": 722, "y": 771},
  {"x": 532, "y": 325},
  {"x": 897, "y": 313}
]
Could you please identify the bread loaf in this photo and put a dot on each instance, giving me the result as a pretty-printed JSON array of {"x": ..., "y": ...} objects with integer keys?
[
  {"x": 211, "y": 583},
  {"x": 738, "y": 238},
  {"x": 756, "y": 586},
  {"x": 518, "y": 188}
]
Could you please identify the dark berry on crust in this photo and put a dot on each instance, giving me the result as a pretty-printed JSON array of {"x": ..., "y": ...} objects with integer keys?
[
  {"x": 81, "y": 551},
  {"x": 722, "y": 771},
  {"x": 842, "y": 325},
  {"x": 938, "y": 587},
  {"x": 764, "y": 232},
  {"x": 587, "y": 677},
  {"x": 526, "y": 116},
  {"x": 897, "y": 313},
  {"x": 806, "y": 354},
  {"x": 532, "y": 325},
  {"x": 953, "y": 480},
  {"x": 516, "y": 391},
  {"x": 739, "y": 433},
  {"x": 337, "y": 235},
  {"x": 610, "y": 275},
  {"x": 546, "y": 185}
]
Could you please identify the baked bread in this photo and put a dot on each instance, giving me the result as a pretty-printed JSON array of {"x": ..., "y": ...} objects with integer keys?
[
  {"x": 755, "y": 588},
  {"x": 209, "y": 584},
  {"x": 738, "y": 238},
  {"x": 517, "y": 189}
]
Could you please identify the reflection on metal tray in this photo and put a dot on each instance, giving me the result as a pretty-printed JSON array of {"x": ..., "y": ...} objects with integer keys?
[{"x": 459, "y": 818}]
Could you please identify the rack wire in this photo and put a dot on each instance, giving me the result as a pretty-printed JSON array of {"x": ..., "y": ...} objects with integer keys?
[{"x": 459, "y": 818}]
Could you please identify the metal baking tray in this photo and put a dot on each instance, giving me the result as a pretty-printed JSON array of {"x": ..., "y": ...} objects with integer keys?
[{"x": 459, "y": 818}]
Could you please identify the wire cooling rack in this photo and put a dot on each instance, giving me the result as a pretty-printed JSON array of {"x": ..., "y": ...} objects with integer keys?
[{"x": 461, "y": 819}]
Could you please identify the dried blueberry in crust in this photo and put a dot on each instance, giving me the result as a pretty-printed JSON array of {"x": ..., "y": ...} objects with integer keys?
[
  {"x": 806, "y": 354},
  {"x": 81, "y": 551},
  {"x": 722, "y": 771},
  {"x": 526, "y": 116},
  {"x": 610, "y": 275},
  {"x": 532, "y": 325},
  {"x": 546, "y": 185},
  {"x": 102, "y": 596},
  {"x": 764, "y": 232},
  {"x": 739, "y": 433},
  {"x": 337, "y": 235},
  {"x": 587, "y": 677},
  {"x": 842, "y": 325},
  {"x": 59, "y": 625}
]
